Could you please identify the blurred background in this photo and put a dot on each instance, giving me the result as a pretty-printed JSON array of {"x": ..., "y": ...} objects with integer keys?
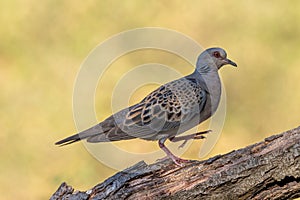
[{"x": 43, "y": 44}]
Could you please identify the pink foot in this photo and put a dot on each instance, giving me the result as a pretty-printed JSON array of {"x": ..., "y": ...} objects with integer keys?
[
  {"x": 185, "y": 138},
  {"x": 179, "y": 161}
]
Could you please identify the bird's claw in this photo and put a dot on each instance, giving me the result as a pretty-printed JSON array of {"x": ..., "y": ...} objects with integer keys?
[
  {"x": 197, "y": 136},
  {"x": 180, "y": 162}
]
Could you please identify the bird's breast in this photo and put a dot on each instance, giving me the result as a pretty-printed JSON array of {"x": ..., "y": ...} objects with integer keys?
[{"x": 213, "y": 84}]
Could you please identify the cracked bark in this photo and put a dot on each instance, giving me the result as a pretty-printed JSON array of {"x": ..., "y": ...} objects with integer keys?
[{"x": 266, "y": 170}]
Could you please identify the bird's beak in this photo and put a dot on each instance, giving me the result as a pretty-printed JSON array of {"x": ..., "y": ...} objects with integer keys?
[{"x": 229, "y": 62}]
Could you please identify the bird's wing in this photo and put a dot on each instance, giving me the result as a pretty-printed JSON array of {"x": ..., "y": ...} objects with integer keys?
[{"x": 165, "y": 109}]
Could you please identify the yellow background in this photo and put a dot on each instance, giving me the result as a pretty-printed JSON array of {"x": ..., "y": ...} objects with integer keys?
[{"x": 43, "y": 43}]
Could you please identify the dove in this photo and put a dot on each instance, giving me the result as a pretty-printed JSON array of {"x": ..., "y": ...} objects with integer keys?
[{"x": 168, "y": 111}]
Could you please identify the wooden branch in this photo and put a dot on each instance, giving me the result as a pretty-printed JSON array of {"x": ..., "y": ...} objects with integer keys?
[{"x": 266, "y": 170}]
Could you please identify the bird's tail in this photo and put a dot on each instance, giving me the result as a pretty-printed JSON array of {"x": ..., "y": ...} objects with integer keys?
[
  {"x": 93, "y": 131},
  {"x": 69, "y": 140},
  {"x": 102, "y": 132}
]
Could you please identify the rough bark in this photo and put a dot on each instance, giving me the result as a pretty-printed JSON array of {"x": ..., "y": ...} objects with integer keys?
[{"x": 266, "y": 170}]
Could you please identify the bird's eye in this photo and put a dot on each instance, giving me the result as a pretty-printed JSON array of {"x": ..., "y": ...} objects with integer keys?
[{"x": 217, "y": 54}]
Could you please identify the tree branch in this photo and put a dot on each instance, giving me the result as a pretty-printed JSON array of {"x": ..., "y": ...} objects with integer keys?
[{"x": 266, "y": 170}]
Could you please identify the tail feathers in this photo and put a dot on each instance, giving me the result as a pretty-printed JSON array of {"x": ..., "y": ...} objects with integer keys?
[
  {"x": 77, "y": 137},
  {"x": 95, "y": 130},
  {"x": 69, "y": 140},
  {"x": 97, "y": 134}
]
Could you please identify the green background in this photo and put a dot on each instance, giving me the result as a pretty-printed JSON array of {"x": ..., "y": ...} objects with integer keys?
[{"x": 43, "y": 43}]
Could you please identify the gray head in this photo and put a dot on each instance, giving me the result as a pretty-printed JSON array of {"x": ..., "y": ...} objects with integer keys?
[{"x": 213, "y": 59}]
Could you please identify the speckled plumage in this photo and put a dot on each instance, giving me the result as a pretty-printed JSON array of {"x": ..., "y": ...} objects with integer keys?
[{"x": 169, "y": 110}]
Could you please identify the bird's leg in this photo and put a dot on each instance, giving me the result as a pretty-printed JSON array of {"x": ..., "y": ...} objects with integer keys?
[
  {"x": 178, "y": 161},
  {"x": 186, "y": 138}
]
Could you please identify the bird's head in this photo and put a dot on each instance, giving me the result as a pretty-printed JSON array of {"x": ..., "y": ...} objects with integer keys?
[{"x": 213, "y": 58}]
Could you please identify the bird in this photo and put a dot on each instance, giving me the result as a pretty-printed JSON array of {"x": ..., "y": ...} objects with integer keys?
[{"x": 168, "y": 111}]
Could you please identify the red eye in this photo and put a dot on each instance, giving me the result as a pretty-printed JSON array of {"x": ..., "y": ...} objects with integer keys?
[{"x": 217, "y": 54}]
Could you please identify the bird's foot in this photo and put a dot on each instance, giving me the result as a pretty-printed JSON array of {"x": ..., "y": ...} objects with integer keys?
[
  {"x": 176, "y": 160},
  {"x": 179, "y": 161},
  {"x": 186, "y": 138}
]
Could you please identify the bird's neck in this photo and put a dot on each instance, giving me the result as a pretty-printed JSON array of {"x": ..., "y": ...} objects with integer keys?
[
  {"x": 210, "y": 78},
  {"x": 205, "y": 68},
  {"x": 208, "y": 73},
  {"x": 205, "y": 73}
]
